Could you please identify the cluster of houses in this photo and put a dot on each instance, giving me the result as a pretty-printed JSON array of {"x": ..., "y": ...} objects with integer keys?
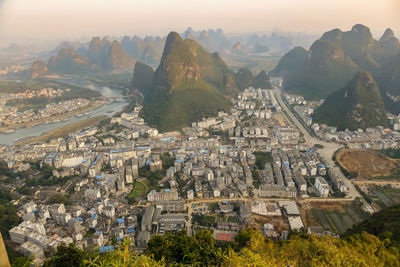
[
  {"x": 10, "y": 116},
  {"x": 44, "y": 92},
  {"x": 104, "y": 167},
  {"x": 370, "y": 138}
]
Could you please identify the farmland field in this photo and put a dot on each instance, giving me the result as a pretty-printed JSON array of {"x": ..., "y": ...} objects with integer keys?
[
  {"x": 384, "y": 196},
  {"x": 338, "y": 218}
]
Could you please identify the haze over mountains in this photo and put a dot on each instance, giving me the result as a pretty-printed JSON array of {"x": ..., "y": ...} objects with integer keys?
[
  {"x": 70, "y": 55},
  {"x": 332, "y": 62},
  {"x": 327, "y": 67}
]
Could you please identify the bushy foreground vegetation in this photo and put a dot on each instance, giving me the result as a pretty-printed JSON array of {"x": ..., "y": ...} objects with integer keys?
[{"x": 249, "y": 249}]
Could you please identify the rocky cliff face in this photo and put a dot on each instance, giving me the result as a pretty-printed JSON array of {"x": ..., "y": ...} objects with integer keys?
[
  {"x": 190, "y": 83},
  {"x": 177, "y": 63}
]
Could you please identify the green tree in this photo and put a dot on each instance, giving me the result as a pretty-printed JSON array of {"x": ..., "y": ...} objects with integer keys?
[{"x": 67, "y": 256}]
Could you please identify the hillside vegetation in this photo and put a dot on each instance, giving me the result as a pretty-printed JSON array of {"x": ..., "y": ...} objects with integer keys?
[
  {"x": 189, "y": 84},
  {"x": 249, "y": 249},
  {"x": 385, "y": 224},
  {"x": 374, "y": 242},
  {"x": 389, "y": 83},
  {"x": 332, "y": 61},
  {"x": 324, "y": 71},
  {"x": 358, "y": 105},
  {"x": 290, "y": 62}
]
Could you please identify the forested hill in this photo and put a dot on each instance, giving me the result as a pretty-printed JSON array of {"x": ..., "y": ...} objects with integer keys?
[{"x": 384, "y": 224}]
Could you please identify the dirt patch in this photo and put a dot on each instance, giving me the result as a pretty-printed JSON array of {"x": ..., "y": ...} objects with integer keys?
[
  {"x": 327, "y": 206},
  {"x": 366, "y": 163},
  {"x": 277, "y": 221},
  {"x": 280, "y": 119},
  {"x": 306, "y": 215}
]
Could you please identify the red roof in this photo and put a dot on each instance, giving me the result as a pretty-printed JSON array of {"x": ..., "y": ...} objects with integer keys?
[{"x": 225, "y": 236}]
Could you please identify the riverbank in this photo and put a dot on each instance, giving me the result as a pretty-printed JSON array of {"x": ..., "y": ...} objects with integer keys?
[
  {"x": 64, "y": 130},
  {"x": 97, "y": 104}
]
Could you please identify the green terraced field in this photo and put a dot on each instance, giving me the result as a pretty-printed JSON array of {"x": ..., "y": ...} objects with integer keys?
[
  {"x": 384, "y": 196},
  {"x": 339, "y": 221}
]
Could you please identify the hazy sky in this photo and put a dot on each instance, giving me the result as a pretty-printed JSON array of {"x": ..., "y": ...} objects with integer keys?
[{"x": 68, "y": 19}]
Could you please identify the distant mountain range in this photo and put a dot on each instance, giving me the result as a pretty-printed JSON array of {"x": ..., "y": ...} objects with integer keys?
[
  {"x": 39, "y": 68},
  {"x": 336, "y": 57},
  {"x": 358, "y": 105},
  {"x": 333, "y": 60},
  {"x": 189, "y": 84},
  {"x": 149, "y": 50}
]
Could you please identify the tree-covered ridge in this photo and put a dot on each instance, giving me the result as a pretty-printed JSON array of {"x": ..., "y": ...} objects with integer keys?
[
  {"x": 325, "y": 70},
  {"x": 117, "y": 59},
  {"x": 68, "y": 61},
  {"x": 143, "y": 76},
  {"x": 358, "y": 43},
  {"x": 385, "y": 224},
  {"x": 245, "y": 79},
  {"x": 332, "y": 61},
  {"x": 389, "y": 83},
  {"x": 358, "y": 105},
  {"x": 290, "y": 62},
  {"x": 102, "y": 55},
  {"x": 189, "y": 84}
]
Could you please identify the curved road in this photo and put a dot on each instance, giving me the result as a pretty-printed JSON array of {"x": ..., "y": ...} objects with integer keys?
[
  {"x": 328, "y": 149},
  {"x": 326, "y": 153}
]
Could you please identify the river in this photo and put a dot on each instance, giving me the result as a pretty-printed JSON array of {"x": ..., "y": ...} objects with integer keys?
[{"x": 107, "y": 109}]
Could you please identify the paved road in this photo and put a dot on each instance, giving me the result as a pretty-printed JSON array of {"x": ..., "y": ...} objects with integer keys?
[
  {"x": 326, "y": 153},
  {"x": 329, "y": 148},
  {"x": 377, "y": 182}
]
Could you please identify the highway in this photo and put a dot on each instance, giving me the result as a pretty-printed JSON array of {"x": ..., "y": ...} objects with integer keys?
[
  {"x": 326, "y": 153},
  {"x": 328, "y": 149}
]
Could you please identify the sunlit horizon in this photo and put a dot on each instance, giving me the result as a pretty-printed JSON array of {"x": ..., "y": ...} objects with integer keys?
[{"x": 72, "y": 20}]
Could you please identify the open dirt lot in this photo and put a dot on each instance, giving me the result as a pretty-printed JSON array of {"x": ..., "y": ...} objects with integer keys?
[
  {"x": 366, "y": 163},
  {"x": 280, "y": 119}
]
